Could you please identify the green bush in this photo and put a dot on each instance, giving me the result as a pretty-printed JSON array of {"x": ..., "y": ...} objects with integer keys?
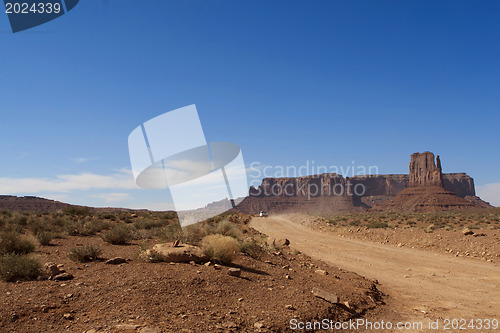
[
  {"x": 14, "y": 267},
  {"x": 119, "y": 234},
  {"x": 13, "y": 242},
  {"x": 85, "y": 253},
  {"x": 219, "y": 248}
]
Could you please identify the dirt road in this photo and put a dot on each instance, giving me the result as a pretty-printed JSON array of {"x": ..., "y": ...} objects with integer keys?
[{"x": 421, "y": 285}]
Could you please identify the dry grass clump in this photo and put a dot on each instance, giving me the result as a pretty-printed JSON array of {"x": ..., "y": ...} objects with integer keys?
[
  {"x": 86, "y": 226},
  {"x": 14, "y": 267},
  {"x": 85, "y": 253},
  {"x": 120, "y": 234},
  {"x": 45, "y": 237},
  {"x": 219, "y": 248},
  {"x": 251, "y": 247},
  {"x": 13, "y": 242}
]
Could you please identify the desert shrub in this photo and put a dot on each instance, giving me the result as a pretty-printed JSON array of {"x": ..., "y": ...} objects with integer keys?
[
  {"x": 60, "y": 221},
  {"x": 13, "y": 242},
  {"x": 45, "y": 237},
  {"x": 14, "y": 267},
  {"x": 355, "y": 223},
  {"x": 6, "y": 213},
  {"x": 85, "y": 253},
  {"x": 76, "y": 211},
  {"x": 21, "y": 220},
  {"x": 377, "y": 224},
  {"x": 172, "y": 232},
  {"x": 119, "y": 234},
  {"x": 171, "y": 215},
  {"x": 109, "y": 216},
  {"x": 220, "y": 248},
  {"x": 251, "y": 247},
  {"x": 85, "y": 227},
  {"x": 45, "y": 224},
  {"x": 149, "y": 223},
  {"x": 194, "y": 233},
  {"x": 225, "y": 228}
]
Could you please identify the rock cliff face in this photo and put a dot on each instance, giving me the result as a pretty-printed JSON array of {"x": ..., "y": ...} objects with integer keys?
[
  {"x": 423, "y": 170},
  {"x": 426, "y": 191},
  {"x": 329, "y": 193}
]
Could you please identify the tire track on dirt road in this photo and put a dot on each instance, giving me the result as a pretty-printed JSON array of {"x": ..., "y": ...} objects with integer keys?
[{"x": 421, "y": 285}]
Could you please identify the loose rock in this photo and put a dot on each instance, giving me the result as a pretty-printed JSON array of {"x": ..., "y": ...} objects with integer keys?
[
  {"x": 68, "y": 316},
  {"x": 63, "y": 277},
  {"x": 467, "y": 232},
  {"x": 116, "y": 261},
  {"x": 282, "y": 242},
  {"x": 181, "y": 253},
  {"x": 325, "y": 295},
  {"x": 234, "y": 272}
]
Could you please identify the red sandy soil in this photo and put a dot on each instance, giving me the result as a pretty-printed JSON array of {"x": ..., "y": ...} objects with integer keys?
[{"x": 164, "y": 297}]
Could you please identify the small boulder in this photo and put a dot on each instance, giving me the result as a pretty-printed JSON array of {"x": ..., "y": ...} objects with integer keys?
[
  {"x": 234, "y": 272},
  {"x": 116, "y": 261},
  {"x": 68, "y": 316},
  {"x": 331, "y": 298},
  {"x": 63, "y": 277},
  {"x": 321, "y": 272},
  {"x": 259, "y": 325},
  {"x": 127, "y": 327},
  {"x": 181, "y": 253},
  {"x": 52, "y": 270},
  {"x": 282, "y": 242},
  {"x": 467, "y": 232}
]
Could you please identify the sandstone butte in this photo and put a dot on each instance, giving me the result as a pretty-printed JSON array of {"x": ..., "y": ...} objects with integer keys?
[{"x": 425, "y": 188}]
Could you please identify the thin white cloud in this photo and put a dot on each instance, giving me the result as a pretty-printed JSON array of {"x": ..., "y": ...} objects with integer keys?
[
  {"x": 112, "y": 197},
  {"x": 489, "y": 193},
  {"x": 83, "y": 159},
  {"x": 67, "y": 183}
]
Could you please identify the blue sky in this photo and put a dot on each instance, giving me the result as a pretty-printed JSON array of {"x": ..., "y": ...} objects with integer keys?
[{"x": 289, "y": 81}]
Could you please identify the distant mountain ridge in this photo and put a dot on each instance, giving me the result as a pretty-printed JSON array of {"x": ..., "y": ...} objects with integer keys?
[
  {"x": 37, "y": 204},
  {"x": 30, "y": 203}
]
